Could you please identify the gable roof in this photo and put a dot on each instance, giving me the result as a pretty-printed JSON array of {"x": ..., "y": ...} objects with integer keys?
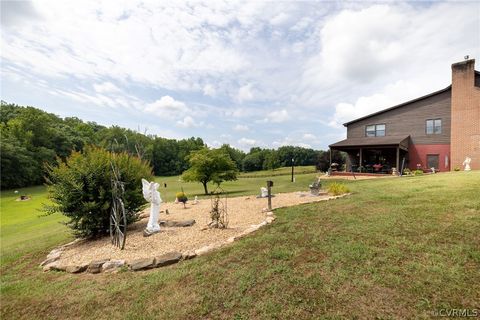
[{"x": 399, "y": 105}]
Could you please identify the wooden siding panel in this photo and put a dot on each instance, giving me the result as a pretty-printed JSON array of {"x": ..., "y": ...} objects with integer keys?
[{"x": 410, "y": 120}]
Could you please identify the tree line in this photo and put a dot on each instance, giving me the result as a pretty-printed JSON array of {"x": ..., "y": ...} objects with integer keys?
[{"x": 31, "y": 138}]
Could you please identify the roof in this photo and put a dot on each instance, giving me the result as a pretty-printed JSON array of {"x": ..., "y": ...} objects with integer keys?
[
  {"x": 400, "y": 105},
  {"x": 401, "y": 141}
]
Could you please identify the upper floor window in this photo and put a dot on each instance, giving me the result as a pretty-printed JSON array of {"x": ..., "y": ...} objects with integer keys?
[
  {"x": 433, "y": 126},
  {"x": 375, "y": 130}
]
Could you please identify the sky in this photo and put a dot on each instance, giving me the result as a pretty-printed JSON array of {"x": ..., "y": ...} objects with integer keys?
[{"x": 247, "y": 73}]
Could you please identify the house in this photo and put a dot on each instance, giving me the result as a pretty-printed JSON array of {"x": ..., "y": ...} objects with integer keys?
[{"x": 437, "y": 130}]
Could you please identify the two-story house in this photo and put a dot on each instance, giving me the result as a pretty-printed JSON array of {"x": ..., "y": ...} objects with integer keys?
[{"x": 437, "y": 130}]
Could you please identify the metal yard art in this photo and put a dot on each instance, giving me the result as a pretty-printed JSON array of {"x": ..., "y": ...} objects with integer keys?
[
  {"x": 118, "y": 217},
  {"x": 218, "y": 212}
]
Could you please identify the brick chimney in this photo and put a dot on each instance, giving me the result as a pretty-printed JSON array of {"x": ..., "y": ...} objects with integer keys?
[{"x": 465, "y": 111}]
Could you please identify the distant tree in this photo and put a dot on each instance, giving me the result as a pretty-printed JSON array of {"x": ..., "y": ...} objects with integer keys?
[
  {"x": 210, "y": 165},
  {"x": 323, "y": 160},
  {"x": 253, "y": 161},
  {"x": 235, "y": 154},
  {"x": 271, "y": 161}
]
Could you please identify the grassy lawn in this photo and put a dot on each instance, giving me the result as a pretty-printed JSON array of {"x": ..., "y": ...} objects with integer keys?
[{"x": 396, "y": 249}]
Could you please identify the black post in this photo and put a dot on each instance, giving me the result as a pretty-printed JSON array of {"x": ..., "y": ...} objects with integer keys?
[{"x": 293, "y": 160}]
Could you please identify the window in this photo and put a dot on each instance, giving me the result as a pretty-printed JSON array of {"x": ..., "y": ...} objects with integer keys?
[
  {"x": 432, "y": 161},
  {"x": 434, "y": 126},
  {"x": 375, "y": 130}
]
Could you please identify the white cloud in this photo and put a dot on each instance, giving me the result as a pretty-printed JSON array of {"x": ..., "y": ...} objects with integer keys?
[
  {"x": 167, "y": 107},
  {"x": 390, "y": 95},
  {"x": 209, "y": 90},
  {"x": 309, "y": 136},
  {"x": 241, "y": 127},
  {"x": 245, "y": 93},
  {"x": 279, "y": 19},
  {"x": 189, "y": 122},
  {"x": 106, "y": 87},
  {"x": 247, "y": 142},
  {"x": 278, "y": 116}
]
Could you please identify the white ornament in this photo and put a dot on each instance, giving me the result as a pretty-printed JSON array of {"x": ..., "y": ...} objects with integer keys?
[
  {"x": 466, "y": 163},
  {"x": 151, "y": 194},
  {"x": 264, "y": 192}
]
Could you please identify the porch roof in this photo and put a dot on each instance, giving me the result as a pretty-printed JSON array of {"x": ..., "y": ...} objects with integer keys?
[{"x": 387, "y": 141}]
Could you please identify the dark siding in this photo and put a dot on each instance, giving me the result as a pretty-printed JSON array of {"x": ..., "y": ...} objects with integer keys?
[{"x": 410, "y": 120}]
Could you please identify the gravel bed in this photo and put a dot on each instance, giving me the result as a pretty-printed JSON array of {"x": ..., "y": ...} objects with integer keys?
[{"x": 242, "y": 213}]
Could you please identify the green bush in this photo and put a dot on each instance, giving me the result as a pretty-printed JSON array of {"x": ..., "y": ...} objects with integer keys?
[
  {"x": 81, "y": 188},
  {"x": 456, "y": 169},
  {"x": 417, "y": 172},
  {"x": 181, "y": 197},
  {"x": 407, "y": 172},
  {"x": 337, "y": 189}
]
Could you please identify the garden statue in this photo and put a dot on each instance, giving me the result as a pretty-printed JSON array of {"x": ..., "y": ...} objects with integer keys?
[
  {"x": 151, "y": 194},
  {"x": 466, "y": 163}
]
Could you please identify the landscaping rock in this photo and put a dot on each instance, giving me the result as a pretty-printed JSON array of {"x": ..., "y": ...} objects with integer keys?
[
  {"x": 72, "y": 243},
  {"x": 48, "y": 261},
  {"x": 76, "y": 268},
  {"x": 96, "y": 266},
  {"x": 270, "y": 219},
  {"x": 188, "y": 255},
  {"x": 167, "y": 259},
  {"x": 51, "y": 266},
  {"x": 54, "y": 254},
  {"x": 112, "y": 265},
  {"x": 172, "y": 223},
  {"x": 142, "y": 264},
  {"x": 269, "y": 214}
]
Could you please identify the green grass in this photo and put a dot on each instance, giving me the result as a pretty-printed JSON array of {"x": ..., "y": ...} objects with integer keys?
[
  {"x": 243, "y": 186},
  {"x": 397, "y": 248},
  {"x": 23, "y": 229}
]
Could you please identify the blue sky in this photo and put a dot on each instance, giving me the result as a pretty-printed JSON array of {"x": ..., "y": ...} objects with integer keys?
[{"x": 247, "y": 73}]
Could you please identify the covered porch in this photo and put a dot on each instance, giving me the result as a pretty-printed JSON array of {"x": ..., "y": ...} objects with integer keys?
[{"x": 375, "y": 155}]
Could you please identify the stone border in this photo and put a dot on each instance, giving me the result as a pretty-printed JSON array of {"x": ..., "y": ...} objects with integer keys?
[{"x": 113, "y": 266}]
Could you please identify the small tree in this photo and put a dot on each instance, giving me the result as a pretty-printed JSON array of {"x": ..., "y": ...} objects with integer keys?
[
  {"x": 81, "y": 188},
  {"x": 210, "y": 165}
]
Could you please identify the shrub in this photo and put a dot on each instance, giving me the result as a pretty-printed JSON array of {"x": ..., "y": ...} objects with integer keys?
[
  {"x": 81, "y": 189},
  {"x": 181, "y": 197},
  {"x": 407, "y": 172},
  {"x": 456, "y": 169},
  {"x": 417, "y": 172},
  {"x": 337, "y": 189}
]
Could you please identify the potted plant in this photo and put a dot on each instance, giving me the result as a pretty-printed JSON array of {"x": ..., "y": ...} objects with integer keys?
[{"x": 182, "y": 197}]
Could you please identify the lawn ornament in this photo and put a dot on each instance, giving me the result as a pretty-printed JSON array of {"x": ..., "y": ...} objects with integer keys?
[
  {"x": 151, "y": 194},
  {"x": 466, "y": 164},
  {"x": 118, "y": 217}
]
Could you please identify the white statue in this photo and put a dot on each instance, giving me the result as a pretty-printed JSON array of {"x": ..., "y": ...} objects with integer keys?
[
  {"x": 466, "y": 163},
  {"x": 151, "y": 194},
  {"x": 264, "y": 192}
]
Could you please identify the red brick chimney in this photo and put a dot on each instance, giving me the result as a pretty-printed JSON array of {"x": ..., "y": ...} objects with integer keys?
[{"x": 465, "y": 131}]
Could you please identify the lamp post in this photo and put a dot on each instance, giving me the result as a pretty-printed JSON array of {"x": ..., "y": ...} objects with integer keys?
[{"x": 293, "y": 161}]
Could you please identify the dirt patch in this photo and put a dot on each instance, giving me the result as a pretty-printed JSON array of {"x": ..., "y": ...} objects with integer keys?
[{"x": 243, "y": 212}]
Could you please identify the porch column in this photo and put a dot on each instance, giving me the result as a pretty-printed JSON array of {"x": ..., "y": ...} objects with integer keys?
[
  {"x": 398, "y": 159},
  {"x": 361, "y": 157}
]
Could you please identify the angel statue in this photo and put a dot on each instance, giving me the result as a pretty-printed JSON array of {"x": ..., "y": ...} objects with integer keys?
[
  {"x": 466, "y": 164},
  {"x": 151, "y": 194}
]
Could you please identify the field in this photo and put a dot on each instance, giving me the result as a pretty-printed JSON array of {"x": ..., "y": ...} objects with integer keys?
[{"x": 397, "y": 248}]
